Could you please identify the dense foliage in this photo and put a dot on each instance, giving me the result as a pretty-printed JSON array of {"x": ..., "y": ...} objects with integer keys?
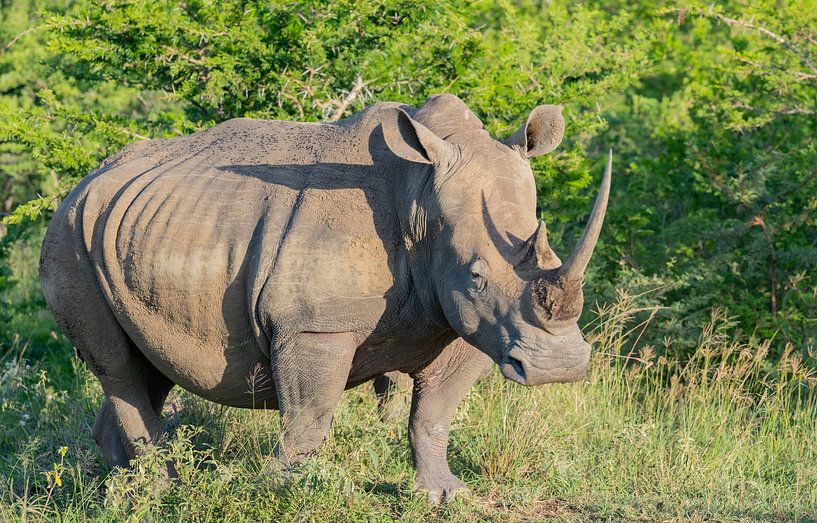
[{"x": 711, "y": 111}]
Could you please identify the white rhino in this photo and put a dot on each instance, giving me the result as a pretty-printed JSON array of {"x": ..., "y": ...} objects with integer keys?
[{"x": 314, "y": 257}]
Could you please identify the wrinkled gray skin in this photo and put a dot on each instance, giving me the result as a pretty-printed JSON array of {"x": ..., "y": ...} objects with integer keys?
[{"x": 274, "y": 264}]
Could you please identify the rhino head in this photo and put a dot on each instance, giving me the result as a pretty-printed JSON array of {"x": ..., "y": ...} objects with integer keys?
[{"x": 488, "y": 264}]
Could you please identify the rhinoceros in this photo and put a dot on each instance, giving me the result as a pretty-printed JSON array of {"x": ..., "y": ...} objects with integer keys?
[{"x": 274, "y": 264}]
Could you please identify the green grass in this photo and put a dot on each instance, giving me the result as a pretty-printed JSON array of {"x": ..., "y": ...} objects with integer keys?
[{"x": 724, "y": 436}]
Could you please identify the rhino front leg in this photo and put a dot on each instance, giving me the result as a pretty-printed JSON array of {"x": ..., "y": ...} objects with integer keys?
[
  {"x": 310, "y": 376},
  {"x": 438, "y": 390}
]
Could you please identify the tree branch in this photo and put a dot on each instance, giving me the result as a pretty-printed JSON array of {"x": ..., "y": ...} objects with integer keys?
[
  {"x": 800, "y": 75},
  {"x": 804, "y": 57},
  {"x": 346, "y": 102},
  {"x": 22, "y": 34},
  {"x": 781, "y": 110}
]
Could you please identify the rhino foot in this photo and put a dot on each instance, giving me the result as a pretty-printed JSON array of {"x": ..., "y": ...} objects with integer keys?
[{"x": 440, "y": 487}]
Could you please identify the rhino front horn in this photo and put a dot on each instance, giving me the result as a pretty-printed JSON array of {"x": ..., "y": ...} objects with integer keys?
[{"x": 575, "y": 265}]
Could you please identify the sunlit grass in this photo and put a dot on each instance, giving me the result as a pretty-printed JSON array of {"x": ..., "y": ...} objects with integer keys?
[{"x": 723, "y": 435}]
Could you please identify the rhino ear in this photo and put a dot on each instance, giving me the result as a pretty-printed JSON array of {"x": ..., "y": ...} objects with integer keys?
[
  {"x": 413, "y": 141},
  {"x": 541, "y": 133}
]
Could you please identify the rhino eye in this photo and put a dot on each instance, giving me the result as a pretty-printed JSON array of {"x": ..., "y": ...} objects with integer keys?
[{"x": 479, "y": 273}]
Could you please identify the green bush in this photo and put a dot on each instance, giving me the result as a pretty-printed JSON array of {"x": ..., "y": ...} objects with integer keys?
[{"x": 710, "y": 111}]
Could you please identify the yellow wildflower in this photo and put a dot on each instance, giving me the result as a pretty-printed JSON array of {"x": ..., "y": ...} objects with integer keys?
[{"x": 57, "y": 478}]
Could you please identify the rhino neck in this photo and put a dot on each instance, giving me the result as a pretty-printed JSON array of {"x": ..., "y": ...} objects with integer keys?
[
  {"x": 418, "y": 215},
  {"x": 417, "y": 212}
]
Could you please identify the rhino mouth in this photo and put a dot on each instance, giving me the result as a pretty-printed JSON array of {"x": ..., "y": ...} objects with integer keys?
[
  {"x": 513, "y": 368},
  {"x": 532, "y": 367}
]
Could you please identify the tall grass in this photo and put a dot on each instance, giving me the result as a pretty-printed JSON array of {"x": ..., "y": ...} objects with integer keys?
[{"x": 722, "y": 435}]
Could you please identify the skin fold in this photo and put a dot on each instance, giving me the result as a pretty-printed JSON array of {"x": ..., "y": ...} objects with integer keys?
[{"x": 268, "y": 264}]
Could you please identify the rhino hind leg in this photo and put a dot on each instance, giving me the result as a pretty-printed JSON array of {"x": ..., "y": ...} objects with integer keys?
[
  {"x": 106, "y": 427},
  {"x": 107, "y": 437},
  {"x": 128, "y": 418},
  {"x": 438, "y": 390},
  {"x": 135, "y": 392},
  {"x": 389, "y": 389}
]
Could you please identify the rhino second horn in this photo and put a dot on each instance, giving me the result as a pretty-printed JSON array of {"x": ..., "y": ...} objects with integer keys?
[
  {"x": 575, "y": 265},
  {"x": 538, "y": 253}
]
